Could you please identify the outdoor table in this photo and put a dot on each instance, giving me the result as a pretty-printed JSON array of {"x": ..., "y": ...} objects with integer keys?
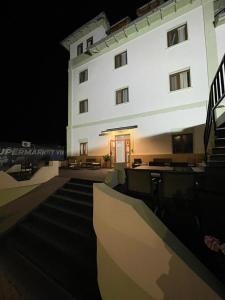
[{"x": 163, "y": 169}]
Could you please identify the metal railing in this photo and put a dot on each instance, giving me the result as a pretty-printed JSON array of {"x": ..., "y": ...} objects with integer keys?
[{"x": 216, "y": 95}]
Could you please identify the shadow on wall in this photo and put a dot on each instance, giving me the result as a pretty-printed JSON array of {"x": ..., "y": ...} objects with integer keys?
[{"x": 161, "y": 145}]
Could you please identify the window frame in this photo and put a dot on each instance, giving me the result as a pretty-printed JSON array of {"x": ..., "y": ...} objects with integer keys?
[
  {"x": 84, "y": 148},
  {"x": 184, "y": 148},
  {"x": 82, "y": 101},
  {"x": 120, "y": 55},
  {"x": 80, "y": 46},
  {"x": 188, "y": 70},
  {"x": 176, "y": 29},
  {"x": 88, "y": 40},
  {"x": 120, "y": 90},
  {"x": 80, "y": 76}
]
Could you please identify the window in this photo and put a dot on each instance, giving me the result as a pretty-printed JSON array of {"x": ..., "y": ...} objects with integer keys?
[
  {"x": 79, "y": 49},
  {"x": 120, "y": 59},
  {"x": 83, "y": 106},
  {"x": 177, "y": 35},
  {"x": 180, "y": 80},
  {"x": 182, "y": 143},
  {"x": 89, "y": 42},
  {"x": 83, "y": 148},
  {"x": 83, "y": 76},
  {"x": 122, "y": 96}
]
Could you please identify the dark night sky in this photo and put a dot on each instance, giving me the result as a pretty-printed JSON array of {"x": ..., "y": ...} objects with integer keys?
[{"x": 34, "y": 64}]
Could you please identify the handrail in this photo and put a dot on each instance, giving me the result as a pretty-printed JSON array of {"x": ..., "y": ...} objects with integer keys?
[{"x": 216, "y": 95}]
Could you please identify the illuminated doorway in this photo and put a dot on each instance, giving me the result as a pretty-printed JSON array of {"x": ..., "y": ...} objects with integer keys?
[{"x": 120, "y": 149}]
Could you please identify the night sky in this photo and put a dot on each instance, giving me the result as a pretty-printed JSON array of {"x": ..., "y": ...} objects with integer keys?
[{"x": 34, "y": 64}]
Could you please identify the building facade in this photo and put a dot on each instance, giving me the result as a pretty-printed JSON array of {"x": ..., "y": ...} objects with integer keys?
[{"x": 140, "y": 90}]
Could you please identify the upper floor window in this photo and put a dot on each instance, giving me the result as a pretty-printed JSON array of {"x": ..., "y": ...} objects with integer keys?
[
  {"x": 180, "y": 80},
  {"x": 121, "y": 59},
  {"x": 182, "y": 143},
  {"x": 89, "y": 42},
  {"x": 79, "y": 49},
  {"x": 84, "y": 148},
  {"x": 177, "y": 35},
  {"x": 83, "y": 76},
  {"x": 122, "y": 96},
  {"x": 83, "y": 106}
]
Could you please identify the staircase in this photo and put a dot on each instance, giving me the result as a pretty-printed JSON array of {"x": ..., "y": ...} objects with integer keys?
[
  {"x": 216, "y": 101},
  {"x": 217, "y": 158},
  {"x": 58, "y": 240}
]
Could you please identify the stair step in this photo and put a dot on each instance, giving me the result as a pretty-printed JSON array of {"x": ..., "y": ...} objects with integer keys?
[
  {"x": 73, "y": 200},
  {"x": 67, "y": 211},
  {"x": 220, "y": 142},
  {"x": 84, "y": 181},
  {"x": 57, "y": 239},
  {"x": 35, "y": 282},
  {"x": 77, "y": 206},
  {"x": 75, "y": 194},
  {"x": 220, "y": 128},
  {"x": 220, "y": 132},
  {"x": 77, "y": 231},
  {"x": 218, "y": 150},
  {"x": 73, "y": 221},
  {"x": 79, "y": 187},
  {"x": 216, "y": 163},
  {"x": 217, "y": 157},
  {"x": 63, "y": 271}
]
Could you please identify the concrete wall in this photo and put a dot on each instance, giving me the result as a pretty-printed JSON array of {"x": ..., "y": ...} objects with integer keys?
[
  {"x": 97, "y": 34},
  {"x": 11, "y": 189},
  {"x": 147, "y": 75},
  {"x": 10, "y": 194},
  {"x": 139, "y": 258}
]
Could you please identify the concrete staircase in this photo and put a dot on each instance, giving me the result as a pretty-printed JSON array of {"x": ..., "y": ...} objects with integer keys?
[{"x": 58, "y": 240}]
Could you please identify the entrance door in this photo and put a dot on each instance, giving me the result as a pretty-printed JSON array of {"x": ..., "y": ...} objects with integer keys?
[{"x": 120, "y": 149}]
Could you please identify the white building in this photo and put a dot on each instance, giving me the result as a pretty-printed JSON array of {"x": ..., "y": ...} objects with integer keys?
[{"x": 140, "y": 89}]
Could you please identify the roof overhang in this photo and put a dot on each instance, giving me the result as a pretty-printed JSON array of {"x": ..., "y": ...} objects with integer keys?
[
  {"x": 106, "y": 131},
  {"x": 99, "y": 20}
]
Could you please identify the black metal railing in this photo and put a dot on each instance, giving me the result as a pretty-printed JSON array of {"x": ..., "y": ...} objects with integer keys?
[{"x": 216, "y": 95}]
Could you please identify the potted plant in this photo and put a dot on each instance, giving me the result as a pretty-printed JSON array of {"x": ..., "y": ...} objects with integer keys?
[{"x": 106, "y": 159}]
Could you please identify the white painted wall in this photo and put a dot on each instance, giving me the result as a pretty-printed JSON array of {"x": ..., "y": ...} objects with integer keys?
[
  {"x": 153, "y": 135},
  {"x": 220, "y": 38},
  {"x": 98, "y": 34},
  {"x": 147, "y": 75}
]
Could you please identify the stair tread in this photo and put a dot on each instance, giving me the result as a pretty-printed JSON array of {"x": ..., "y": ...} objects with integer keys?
[
  {"x": 77, "y": 192},
  {"x": 51, "y": 264},
  {"x": 220, "y": 128},
  {"x": 79, "y": 184},
  {"x": 67, "y": 211},
  {"x": 65, "y": 227},
  {"x": 73, "y": 200},
  {"x": 64, "y": 245},
  {"x": 87, "y": 181},
  {"x": 219, "y": 147}
]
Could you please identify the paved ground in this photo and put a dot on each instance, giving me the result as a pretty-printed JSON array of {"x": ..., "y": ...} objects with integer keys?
[{"x": 98, "y": 174}]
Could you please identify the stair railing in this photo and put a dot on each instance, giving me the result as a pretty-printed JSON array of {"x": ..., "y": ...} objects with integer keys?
[{"x": 216, "y": 95}]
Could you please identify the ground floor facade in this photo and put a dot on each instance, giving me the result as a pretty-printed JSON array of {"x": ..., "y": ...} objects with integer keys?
[{"x": 175, "y": 133}]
